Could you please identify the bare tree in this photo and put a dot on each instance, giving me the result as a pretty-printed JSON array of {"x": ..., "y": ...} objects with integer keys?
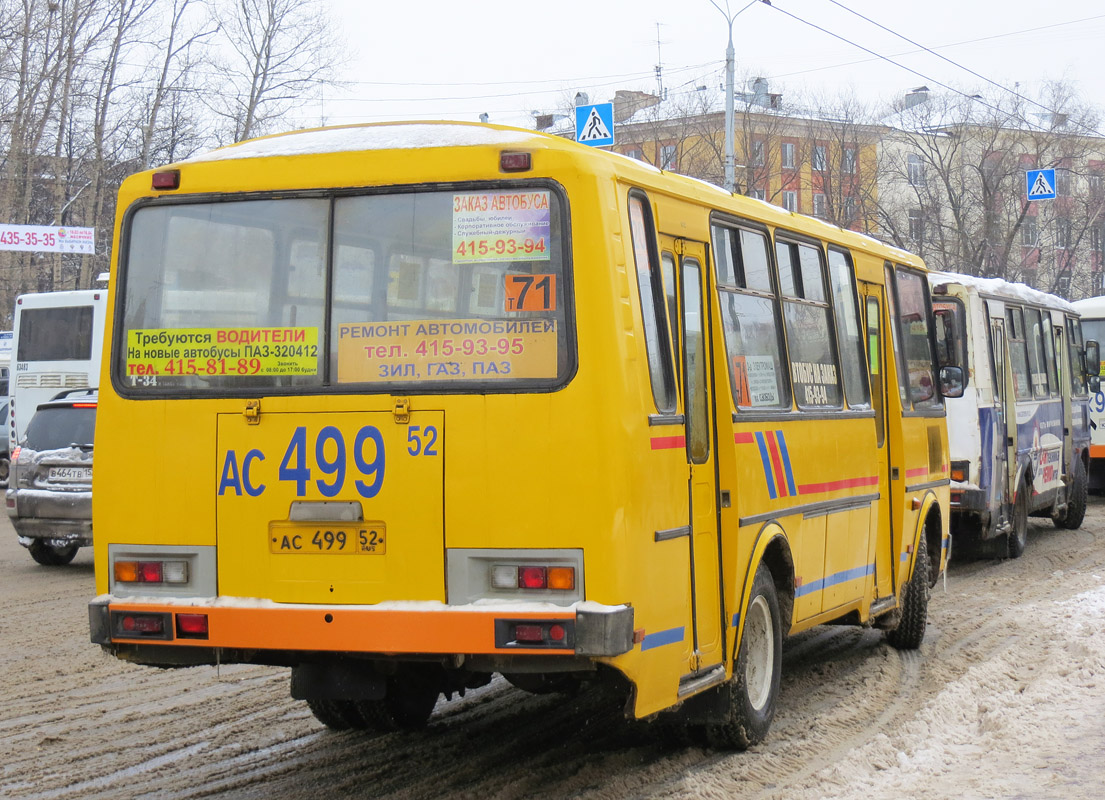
[
  {"x": 953, "y": 189},
  {"x": 278, "y": 50}
]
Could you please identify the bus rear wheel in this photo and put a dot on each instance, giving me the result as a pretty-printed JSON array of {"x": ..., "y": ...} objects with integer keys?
[
  {"x": 49, "y": 556},
  {"x": 1075, "y": 512},
  {"x": 338, "y": 715},
  {"x": 910, "y": 631},
  {"x": 754, "y": 688},
  {"x": 1017, "y": 538},
  {"x": 408, "y": 704}
]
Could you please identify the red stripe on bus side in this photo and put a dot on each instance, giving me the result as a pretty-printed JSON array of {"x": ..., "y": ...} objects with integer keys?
[
  {"x": 832, "y": 486},
  {"x": 748, "y": 438},
  {"x": 780, "y": 478},
  {"x": 668, "y": 442},
  {"x": 916, "y": 473}
]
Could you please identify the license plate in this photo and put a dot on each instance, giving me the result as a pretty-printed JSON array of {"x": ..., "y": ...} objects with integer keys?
[
  {"x": 337, "y": 539},
  {"x": 69, "y": 474}
]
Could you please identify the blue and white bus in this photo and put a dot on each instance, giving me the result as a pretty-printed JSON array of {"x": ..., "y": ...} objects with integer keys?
[{"x": 1020, "y": 434}]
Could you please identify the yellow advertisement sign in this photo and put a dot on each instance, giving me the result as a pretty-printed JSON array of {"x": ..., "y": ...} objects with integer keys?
[
  {"x": 210, "y": 352},
  {"x": 433, "y": 350}
]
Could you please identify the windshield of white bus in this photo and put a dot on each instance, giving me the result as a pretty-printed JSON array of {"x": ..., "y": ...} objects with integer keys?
[{"x": 427, "y": 289}]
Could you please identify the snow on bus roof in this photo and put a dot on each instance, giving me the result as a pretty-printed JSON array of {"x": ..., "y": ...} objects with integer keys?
[
  {"x": 998, "y": 286},
  {"x": 385, "y": 136}
]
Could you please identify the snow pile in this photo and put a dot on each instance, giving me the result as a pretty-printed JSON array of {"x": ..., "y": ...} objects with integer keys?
[
  {"x": 380, "y": 136},
  {"x": 1017, "y": 701}
]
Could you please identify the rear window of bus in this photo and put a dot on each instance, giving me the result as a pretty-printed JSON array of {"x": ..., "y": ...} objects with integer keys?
[{"x": 427, "y": 289}]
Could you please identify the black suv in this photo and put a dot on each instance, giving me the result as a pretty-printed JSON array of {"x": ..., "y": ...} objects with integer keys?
[{"x": 49, "y": 495}]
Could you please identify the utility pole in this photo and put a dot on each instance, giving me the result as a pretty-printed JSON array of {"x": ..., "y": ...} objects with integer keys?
[{"x": 730, "y": 63}]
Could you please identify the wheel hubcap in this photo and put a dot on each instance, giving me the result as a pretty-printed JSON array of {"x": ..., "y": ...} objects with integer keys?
[{"x": 759, "y": 637}]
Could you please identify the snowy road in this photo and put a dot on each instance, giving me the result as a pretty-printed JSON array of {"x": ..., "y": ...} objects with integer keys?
[{"x": 1005, "y": 699}]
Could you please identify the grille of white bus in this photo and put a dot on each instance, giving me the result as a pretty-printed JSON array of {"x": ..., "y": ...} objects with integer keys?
[{"x": 52, "y": 380}]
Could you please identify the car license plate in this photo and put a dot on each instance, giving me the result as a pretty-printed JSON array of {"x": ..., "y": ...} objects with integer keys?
[
  {"x": 69, "y": 474},
  {"x": 339, "y": 538}
]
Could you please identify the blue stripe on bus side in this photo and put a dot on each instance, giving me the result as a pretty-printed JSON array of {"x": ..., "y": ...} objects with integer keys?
[
  {"x": 833, "y": 580},
  {"x": 767, "y": 465},
  {"x": 661, "y": 638},
  {"x": 786, "y": 462}
]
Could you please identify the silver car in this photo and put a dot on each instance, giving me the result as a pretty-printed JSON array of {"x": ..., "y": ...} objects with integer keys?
[{"x": 49, "y": 496}]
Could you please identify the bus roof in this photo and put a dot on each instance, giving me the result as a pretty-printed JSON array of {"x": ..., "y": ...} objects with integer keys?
[
  {"x": 385, "y": 136},
  {"x": 1001, "y": 288},
  {"x": 64, "y": 298},
  {"x": 1091, "y": 307}
]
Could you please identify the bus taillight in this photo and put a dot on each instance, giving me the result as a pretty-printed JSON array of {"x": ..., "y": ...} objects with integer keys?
[
  {"x": 518, "y": 576},
  {"x": 191, "y": 626},
  {"x": 151, "y": 571}
]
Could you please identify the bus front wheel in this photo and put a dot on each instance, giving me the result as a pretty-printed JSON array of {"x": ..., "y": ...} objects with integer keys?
[{"x": 754, "y": 687}]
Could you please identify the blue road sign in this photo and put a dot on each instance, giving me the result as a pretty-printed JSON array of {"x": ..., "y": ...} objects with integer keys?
[
  {"x": 595, "y": 124},
  {"x": 1041, "y": 184}
]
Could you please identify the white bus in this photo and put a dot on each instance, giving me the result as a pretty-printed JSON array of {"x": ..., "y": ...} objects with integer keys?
[
  {"x": 1092, "y": 310},
  {"x": 57, "y": 342},
  {"x": 1019, "y": 435}
]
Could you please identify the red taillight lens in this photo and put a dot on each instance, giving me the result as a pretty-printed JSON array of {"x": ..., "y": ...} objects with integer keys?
[
  {"x": 192, "y": 624},
  {"x": 528, "y": 633},
  {"x": 150, "y": 571},
  {"x": 557, "y": 633},
  {"x": 167, "y": 179},
  {"x": 143, "y": 624},
  {"x": 15, "y": 454},
  {"x": 532, "y": 578}
]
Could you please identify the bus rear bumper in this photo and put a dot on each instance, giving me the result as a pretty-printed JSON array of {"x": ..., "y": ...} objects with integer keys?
[{"x": 151, "y": 627}]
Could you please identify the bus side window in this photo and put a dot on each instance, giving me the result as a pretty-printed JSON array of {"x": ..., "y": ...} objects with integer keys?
[
  {"x": 653, "y": 309},
  {"x": 813, "y": 368},
  {"x": 1077, "y": 368},
  {"x": 667, "y": 267},
  {"x": 1052, "y": 335},
  {"x": 848, "y": 334},
  {"x": 750, "y": 316},
  {"x": 914, "y": 308},
  {"x": 1037, "y": 361},
  {"x": 1018, "y": 354}
]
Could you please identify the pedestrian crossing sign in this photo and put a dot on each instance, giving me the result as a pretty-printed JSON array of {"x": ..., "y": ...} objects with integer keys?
[
  {"x": 595, "y": 124},
  {"x": 1041, "y": 184}
]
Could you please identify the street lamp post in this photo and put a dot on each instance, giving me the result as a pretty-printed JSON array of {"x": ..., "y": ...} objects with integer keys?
[{"x": 730, "y": 60}]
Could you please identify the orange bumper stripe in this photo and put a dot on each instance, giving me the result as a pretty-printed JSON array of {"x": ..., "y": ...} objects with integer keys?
[
  {"x": 1097, "y": 451},
  {"x": 356, "y": 630}
]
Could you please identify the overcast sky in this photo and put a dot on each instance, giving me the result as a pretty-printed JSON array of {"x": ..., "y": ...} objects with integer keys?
[{"x": 432, "y": 59}]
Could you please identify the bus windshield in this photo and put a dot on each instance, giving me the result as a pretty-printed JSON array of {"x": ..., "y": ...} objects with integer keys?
[{"x": 431, "y": 288}]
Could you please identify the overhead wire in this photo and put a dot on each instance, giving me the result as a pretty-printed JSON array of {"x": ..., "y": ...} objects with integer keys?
[
  {"x": 966, "y": 69},
  {"x": 889, "y": 60}
]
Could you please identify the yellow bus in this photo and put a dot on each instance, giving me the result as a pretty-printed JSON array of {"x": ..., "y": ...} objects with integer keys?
[{"x": 402, "y": 406}]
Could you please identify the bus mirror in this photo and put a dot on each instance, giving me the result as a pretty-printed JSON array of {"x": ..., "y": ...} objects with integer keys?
[
  {"x": 1093, "y": 358},
  {"x": 951, "y": 381},
  {"x": 1095, "y": 384}
]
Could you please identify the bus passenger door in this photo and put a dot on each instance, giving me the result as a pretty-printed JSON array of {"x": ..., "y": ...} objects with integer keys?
[
  {"x": 698, "y": 404},
  {"x": 887, "y": 544},
  {"x": 1005, "y": 459}
]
